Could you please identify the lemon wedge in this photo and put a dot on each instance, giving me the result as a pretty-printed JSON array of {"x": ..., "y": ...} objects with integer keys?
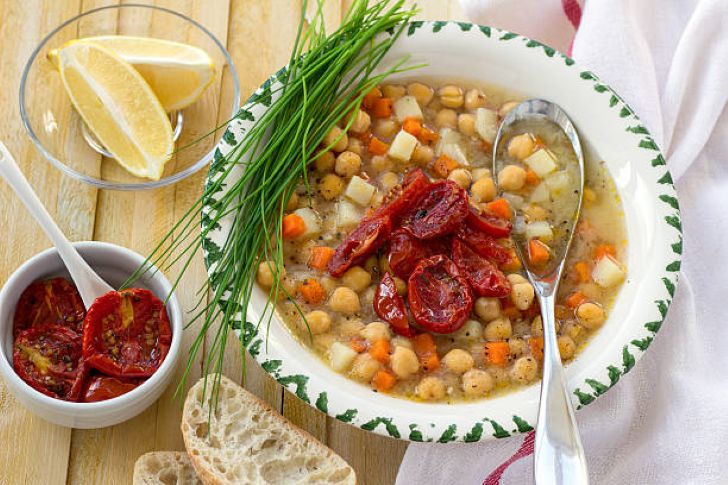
[
  {"x": 118, "y": 106},
  {"x": 177, "y": 73}
]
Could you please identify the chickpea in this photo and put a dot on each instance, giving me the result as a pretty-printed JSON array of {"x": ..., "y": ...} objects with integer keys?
[
  {"x": 458, "y": 361},
  {"x": 385, "y": 128},
  {"x": 521, "y": 146},
  {"x": 474, "y": 99},
  {"x": 376, "y": 331},
  {"x": 356, "y": 278},
  {"x": 324, "y": 162},
  {"x": 430, "y": 388},
  {"x": 381, "y": 163},
  {"x": 322, "y": 343},
  {"x": 404, "y": 362},
  {"x": 515, "y": 278},
  {"x": 498, "y": 329},
  {"x": 348, "y": 164},
  {"x": 573, "y": 330},
  {"x": 567, "y": 347},
  {"x": 500, "y": 376},
  {"x": 266, "y": 273},
  {"x": 394, "y": 91},
  {"x": 361, "y": 122},
  {"x": 364, "y": 367},
  {"x": 331, "y": 186},
  {"x": 461, "y": 177},
  {"x": 401, "y": 286},
  {"x": 536, "y": 327},
  {"x": 388, "y": 180},
  {"x": 480, "y": 173},
  {"x": 511, "y": 177},
  {"x": 350, "y": 328},
  {"x": 422, "y": 155},
  {"x": 506, "y": 108},
  {"x": 355, "y": 146},
  {"x": 522, "y": 295},
  {"x": 292, "y": 203},
  {"x": 590, "y": 290},
  {"x": 471, "y": 330},
  {"x": 318, "y": 322},
  {"x": 477, "y": 382},
  {"x": 524, "y": 369},
  {"x": 289, "y": 286},
  {"x": 367, "y": 297},
  {"x": 534, "y": 212},
  {"x": 371, "y": 264},
  {"x": 328, "y": 283},
  {"x": 421, "y": 92},
  {"x": 466, "y": 124},
  {"x": 487, "y": 309},
  {"x": 384, "y": 265},
  {"x": 590, "y": 315},
  {"x": 344, "y": 300},
  {"x": 446, "y": 118},
  {"x": 330, "y": 140},
  {"x": 483, "y": 190},
  {"x": 402, "y": 342},
  {"x": 517, "y": 346},
  {"x": 451, "y": 96}
]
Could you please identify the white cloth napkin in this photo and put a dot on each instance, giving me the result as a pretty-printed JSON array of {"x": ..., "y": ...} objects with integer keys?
[{"x": 666, "y": 421}]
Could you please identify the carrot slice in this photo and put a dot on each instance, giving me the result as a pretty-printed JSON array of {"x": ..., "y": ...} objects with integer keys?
[
  {"x": 582, "y": 272},
  {"x": 605, "y": 250},
  {"x": 382, "y": 108},
  {"x": 293, "y": 226},
  {"x": 444, "y": 165},
  {"x": 497, "y": 352},
  {"x": 412, "y": 126},
  {"x": 426, "y": 351},
  {"x": 380, "y": 351},
  {"x": 575, "y": 299},
  {"x": 383, "y": 381},
  {"x": 377, "y": 146},
  {"x": 427, "y": 136},
  {"x": 312, "y": 291},
  {"x": 532, "y": 178},
  {"x": 358, "y": 344},
  {"x": 369, "y": 98},
  {"x": 320, "y": 257},
  {"x": 500, "y": 208},
  {"x": 536, "y": 345},
  {"x": 538, "y": 252}
]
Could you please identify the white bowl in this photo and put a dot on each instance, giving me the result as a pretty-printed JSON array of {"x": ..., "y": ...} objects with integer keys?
[
  {"x": 611, "y": 132},
  {"x": 114, "y": 264}
]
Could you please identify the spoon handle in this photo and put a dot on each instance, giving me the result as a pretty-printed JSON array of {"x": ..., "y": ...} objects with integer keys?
[
  {"x": 89, "y": 284},
  {"x": 558, "y": 456}
]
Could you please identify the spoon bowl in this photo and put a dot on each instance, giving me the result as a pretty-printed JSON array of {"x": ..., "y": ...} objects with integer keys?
[{"x": 558, "y": 452}]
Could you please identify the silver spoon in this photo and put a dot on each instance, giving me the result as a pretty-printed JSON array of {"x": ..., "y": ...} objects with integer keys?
[
  {"x": 90, "y": 285},
  {"x": 558, "y": 456}
]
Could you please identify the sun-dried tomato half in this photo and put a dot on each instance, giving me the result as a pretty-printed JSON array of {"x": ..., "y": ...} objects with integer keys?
[
  {"x": 53, "y": 301},
  {"x": 484, "y": 244},
  {"x": 48, "y": 358},
  {"x": 488, "y": 223},
  {"x": 440, "y": 298},
  {"x": 405, "y": 251},
  {"x": 359, "y": 244},
  {"x": 101, "y": 388},
  {"x": 415, "y": 184},
  {"x": 485, "y": 278},
  {"x": 438, "y": 212},
  {"x": 126, "y": 333},
  {"x": 389, "y": 306}
]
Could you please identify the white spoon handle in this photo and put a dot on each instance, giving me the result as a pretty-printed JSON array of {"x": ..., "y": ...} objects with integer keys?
[{"x": 89, "y": 284}]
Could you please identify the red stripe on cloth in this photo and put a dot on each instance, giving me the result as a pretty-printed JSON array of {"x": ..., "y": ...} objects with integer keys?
[
  {"x": 525, "y": 450},
  {"x": 572, "y": 9}
]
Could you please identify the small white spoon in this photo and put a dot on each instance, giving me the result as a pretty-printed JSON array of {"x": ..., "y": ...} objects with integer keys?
[{"x": 90, "y": 285}]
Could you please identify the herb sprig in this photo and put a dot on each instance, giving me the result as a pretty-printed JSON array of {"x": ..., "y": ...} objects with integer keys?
[{"x": 326, "y": 78}]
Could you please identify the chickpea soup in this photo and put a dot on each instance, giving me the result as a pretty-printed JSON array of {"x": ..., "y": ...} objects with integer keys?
[{"x": 400, "y": 271}]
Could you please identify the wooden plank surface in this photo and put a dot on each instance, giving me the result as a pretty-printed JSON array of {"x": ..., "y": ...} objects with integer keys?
[{"x": 258, "y": 34}]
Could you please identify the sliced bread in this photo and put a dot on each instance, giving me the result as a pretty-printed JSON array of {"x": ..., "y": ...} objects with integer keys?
[
  {"x": 247, "y": 442},
  {"x": 165, "y": 468}
]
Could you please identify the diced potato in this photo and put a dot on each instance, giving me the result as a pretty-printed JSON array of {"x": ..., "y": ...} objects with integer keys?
[
  {"x": 311, "y": 219},
  {"x": 407, "y": 107},
  {"x": 359, "y": 190},
  {"x": 456, "y": 153},
  {"x": 341, "y": 356},
  {"x": 608, "y": 272},
  {"x": 486, "y": 124},
  {"x": 402, "y": 146},
  {"x": 347, "y": 215},
  {"x": 540, "y": 194},
  {"x": 447, "y": 137},
  {"x": 542, "y": 162},
  {"x": 539, "y": 229},
  {"x": 515, "y": 201},
  {"x": 558, "y": 182}
]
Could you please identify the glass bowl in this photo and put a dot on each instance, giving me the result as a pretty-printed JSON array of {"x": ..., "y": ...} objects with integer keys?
[{"x": 60, "y": 134}]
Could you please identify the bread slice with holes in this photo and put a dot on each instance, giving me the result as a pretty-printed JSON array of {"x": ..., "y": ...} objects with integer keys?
[
  {"x": 165, "y": 468},
  {"x": 246, "y": 442}
]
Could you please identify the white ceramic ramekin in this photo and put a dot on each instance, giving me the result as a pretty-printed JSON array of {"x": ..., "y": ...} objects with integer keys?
[{"x": 114, "y": 264}]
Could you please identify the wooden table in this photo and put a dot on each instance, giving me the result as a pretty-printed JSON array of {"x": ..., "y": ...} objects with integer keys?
[{"x": 259, "y": 34}]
